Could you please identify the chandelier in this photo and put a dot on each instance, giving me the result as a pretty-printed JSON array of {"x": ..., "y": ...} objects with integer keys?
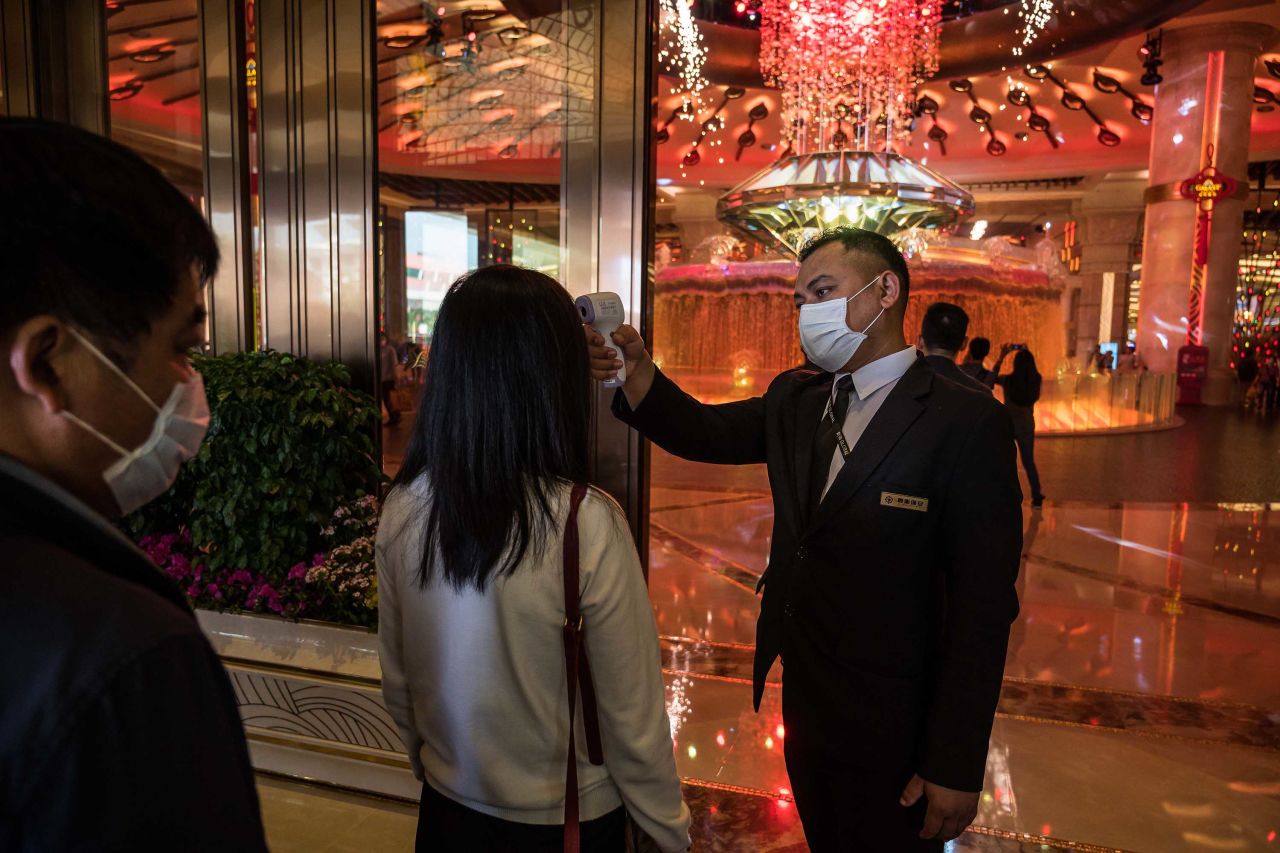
[
  {"x": 848, "y": 72},
  {"x": 803, "y": 195},
  {"x": 847, "y": 69}
]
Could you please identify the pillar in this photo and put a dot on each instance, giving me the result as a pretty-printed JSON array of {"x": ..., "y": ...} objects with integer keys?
[
  {"x": 1206, "y": 98},
  {"x": 1109, "y": 217},
  {"x": 318, "y": 190},
  {"x": 53, "y": 61}
]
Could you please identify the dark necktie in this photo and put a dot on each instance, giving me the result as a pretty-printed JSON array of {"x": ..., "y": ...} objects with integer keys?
[{"x": 824, "y": 447}]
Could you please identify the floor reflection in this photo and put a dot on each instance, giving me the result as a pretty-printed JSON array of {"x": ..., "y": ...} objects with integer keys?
[{"x": 1142, "y": 700}]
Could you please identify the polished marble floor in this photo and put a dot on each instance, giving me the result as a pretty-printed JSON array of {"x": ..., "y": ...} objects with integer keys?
[{"x": 1141, "y": 708}]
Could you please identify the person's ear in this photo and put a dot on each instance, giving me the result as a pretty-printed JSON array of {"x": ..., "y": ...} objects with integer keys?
[
  {"x": 920, "y": 343},
  {"x": 964, "y": 345},
  {"x": 35, "y": 352},
  {"x": 890, "y": 289}
]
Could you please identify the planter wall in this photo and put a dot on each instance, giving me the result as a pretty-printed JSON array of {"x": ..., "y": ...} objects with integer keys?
[{"x": 311, "y": 700}]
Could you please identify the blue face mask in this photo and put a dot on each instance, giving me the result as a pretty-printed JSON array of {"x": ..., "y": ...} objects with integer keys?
[{"x": 825, "y": 333}]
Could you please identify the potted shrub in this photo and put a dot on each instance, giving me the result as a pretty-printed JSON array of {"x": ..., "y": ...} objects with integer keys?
[{"x": 277, "y": 512}]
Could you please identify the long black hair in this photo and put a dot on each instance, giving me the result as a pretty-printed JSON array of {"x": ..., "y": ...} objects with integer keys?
[
  {"x": 1022, "y": 387},
  {"x": 504, "y": 420}
]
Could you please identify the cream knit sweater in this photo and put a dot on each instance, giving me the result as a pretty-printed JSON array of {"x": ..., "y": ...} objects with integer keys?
[{"x": 476, "y": 682}]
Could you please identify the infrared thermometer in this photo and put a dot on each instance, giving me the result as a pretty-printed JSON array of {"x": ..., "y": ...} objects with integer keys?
[{"x": 604, "y": 312}]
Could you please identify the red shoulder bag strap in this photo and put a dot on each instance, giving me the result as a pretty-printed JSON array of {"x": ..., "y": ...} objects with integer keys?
[{"x": 578, "y": 671}]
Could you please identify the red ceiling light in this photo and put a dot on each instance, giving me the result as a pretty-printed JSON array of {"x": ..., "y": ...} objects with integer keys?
[
  {"x": 404, "y": 41},
  {"x": 152, "y": 54},
  {"x": 125, "y": 91}
]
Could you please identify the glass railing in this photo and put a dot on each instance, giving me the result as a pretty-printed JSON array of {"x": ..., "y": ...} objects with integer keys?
[{"x": 1082, "y": 402}]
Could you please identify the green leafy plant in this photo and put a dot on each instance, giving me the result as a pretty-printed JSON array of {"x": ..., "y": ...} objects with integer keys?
[{"x": 290, "y": 441}]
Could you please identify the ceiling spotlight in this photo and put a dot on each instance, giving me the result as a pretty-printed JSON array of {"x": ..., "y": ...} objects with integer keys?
[
  {"x": 1019, "y": 97},
  {"x": 411, "y": 117},
  {"x": 152, "y": 54},
  {"x": 1273, "y": 67},
  {"x": 404, "y": 41},
  {"x": 509, "y": 152},
  {"x": 1071, "y": 100},
  {"x": 1108, "y": 137},
  {"x": 1262, "y": 95},
  {"x": 693, "y": 158},
  {"x": 1105, "y": 83},
  {"x": 926, "y": 106},
  {"x": 1149, "y": 53},
  {"x": 996, "y": 148},
  {"x": 961, "y": 86},
  {"x": 125, "y": 91},
  {"x": 1142, "y": 112},
  {"x": 511, "y": 35}
]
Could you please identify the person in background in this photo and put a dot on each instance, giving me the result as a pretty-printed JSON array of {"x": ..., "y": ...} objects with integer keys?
[
  {"x": 471, "y": 599},
  {"x": 1128, "y": 361},
  {"x": 943, "y": 333},
  {"x": 975, "y": 362},
  {"x": 388, "y": 361},
  {"x": 118, "y": 726},
  {"x": 1021, "y": 391},
  {"x": 1246, "y": 375}
]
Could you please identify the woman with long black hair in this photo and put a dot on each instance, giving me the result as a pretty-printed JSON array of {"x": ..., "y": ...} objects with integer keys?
[
  {"x": 472, "y": 598},
  {"x": 1021, "y": 391}
]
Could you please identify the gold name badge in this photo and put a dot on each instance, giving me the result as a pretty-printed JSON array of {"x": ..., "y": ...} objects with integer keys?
[{"x": 904, "y": 502}]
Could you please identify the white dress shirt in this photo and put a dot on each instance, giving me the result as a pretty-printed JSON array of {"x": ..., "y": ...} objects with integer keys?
[{"x": 871, "y": 385}]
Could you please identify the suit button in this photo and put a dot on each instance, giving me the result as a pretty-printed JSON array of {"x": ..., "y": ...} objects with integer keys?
[
  {"x": 802, "y": 554},
  {"x": 788, "y": 610}
]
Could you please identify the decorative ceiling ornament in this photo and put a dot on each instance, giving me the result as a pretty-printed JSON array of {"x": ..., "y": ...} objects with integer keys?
[
  {"x": 802, "y": 195},
  {"x": 869, "y": 55},
  {"x": 912, "y": 242},
  {"x": 681, "y": 53},
  {"x": 1036, "y": 15}
]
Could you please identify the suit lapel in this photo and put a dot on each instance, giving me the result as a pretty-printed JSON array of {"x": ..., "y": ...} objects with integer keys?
[
  {"x": 812, "y": 401},
  {"x": 898, "y": 412}
]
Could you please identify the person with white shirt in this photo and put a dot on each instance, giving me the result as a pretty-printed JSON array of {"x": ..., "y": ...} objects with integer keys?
[
  {"x": 896, "y": 544},
  {"x": 472, "y": 593}
]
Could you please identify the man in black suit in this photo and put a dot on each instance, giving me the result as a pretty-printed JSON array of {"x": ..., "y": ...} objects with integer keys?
[
  {"x": 943, "y": 333},
  {"x": 897, "y": 535}
]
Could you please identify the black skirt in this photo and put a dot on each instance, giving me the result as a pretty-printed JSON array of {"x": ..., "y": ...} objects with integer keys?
[{"x": 445, "y": 826}]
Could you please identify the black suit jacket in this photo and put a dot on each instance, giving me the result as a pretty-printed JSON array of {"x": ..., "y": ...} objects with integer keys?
[
  {"x": 946, "y": 367},
  {"x": 907, "y": 608}
]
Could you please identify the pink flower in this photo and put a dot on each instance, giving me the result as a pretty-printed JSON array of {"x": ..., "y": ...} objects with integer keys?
[
  {"x": 193, "y": 591},
  {"x": 213, "y": 590},
  {"x": 298, "y": 572},
  {"x": 240, "y": 577}
]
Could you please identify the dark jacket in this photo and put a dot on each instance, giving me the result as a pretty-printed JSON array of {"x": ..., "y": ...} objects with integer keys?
[
  {"x": 118, "y": 725},
  {"x": 946, "y": 367},
  {"x": 907, "y": 610}
]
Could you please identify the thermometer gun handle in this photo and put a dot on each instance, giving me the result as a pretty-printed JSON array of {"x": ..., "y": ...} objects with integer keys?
[
  {"x": 619, "y": 380},
  {"x": 604, "y": 312}
]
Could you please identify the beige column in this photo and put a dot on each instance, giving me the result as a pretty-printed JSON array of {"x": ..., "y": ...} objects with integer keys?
[
  {"x": 1206, "y": 99},
  {"x": 1109, "y": 216}
]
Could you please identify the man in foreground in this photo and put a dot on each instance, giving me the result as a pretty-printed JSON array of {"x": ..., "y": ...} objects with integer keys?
[
  {"x": 118, "y": 727},
  {"x": 896, "y": 542}
]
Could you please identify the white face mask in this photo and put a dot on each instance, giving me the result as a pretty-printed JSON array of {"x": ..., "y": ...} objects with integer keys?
[
  {"x": 145, "y": 473},
  {"x": 825, "y": 333}
]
